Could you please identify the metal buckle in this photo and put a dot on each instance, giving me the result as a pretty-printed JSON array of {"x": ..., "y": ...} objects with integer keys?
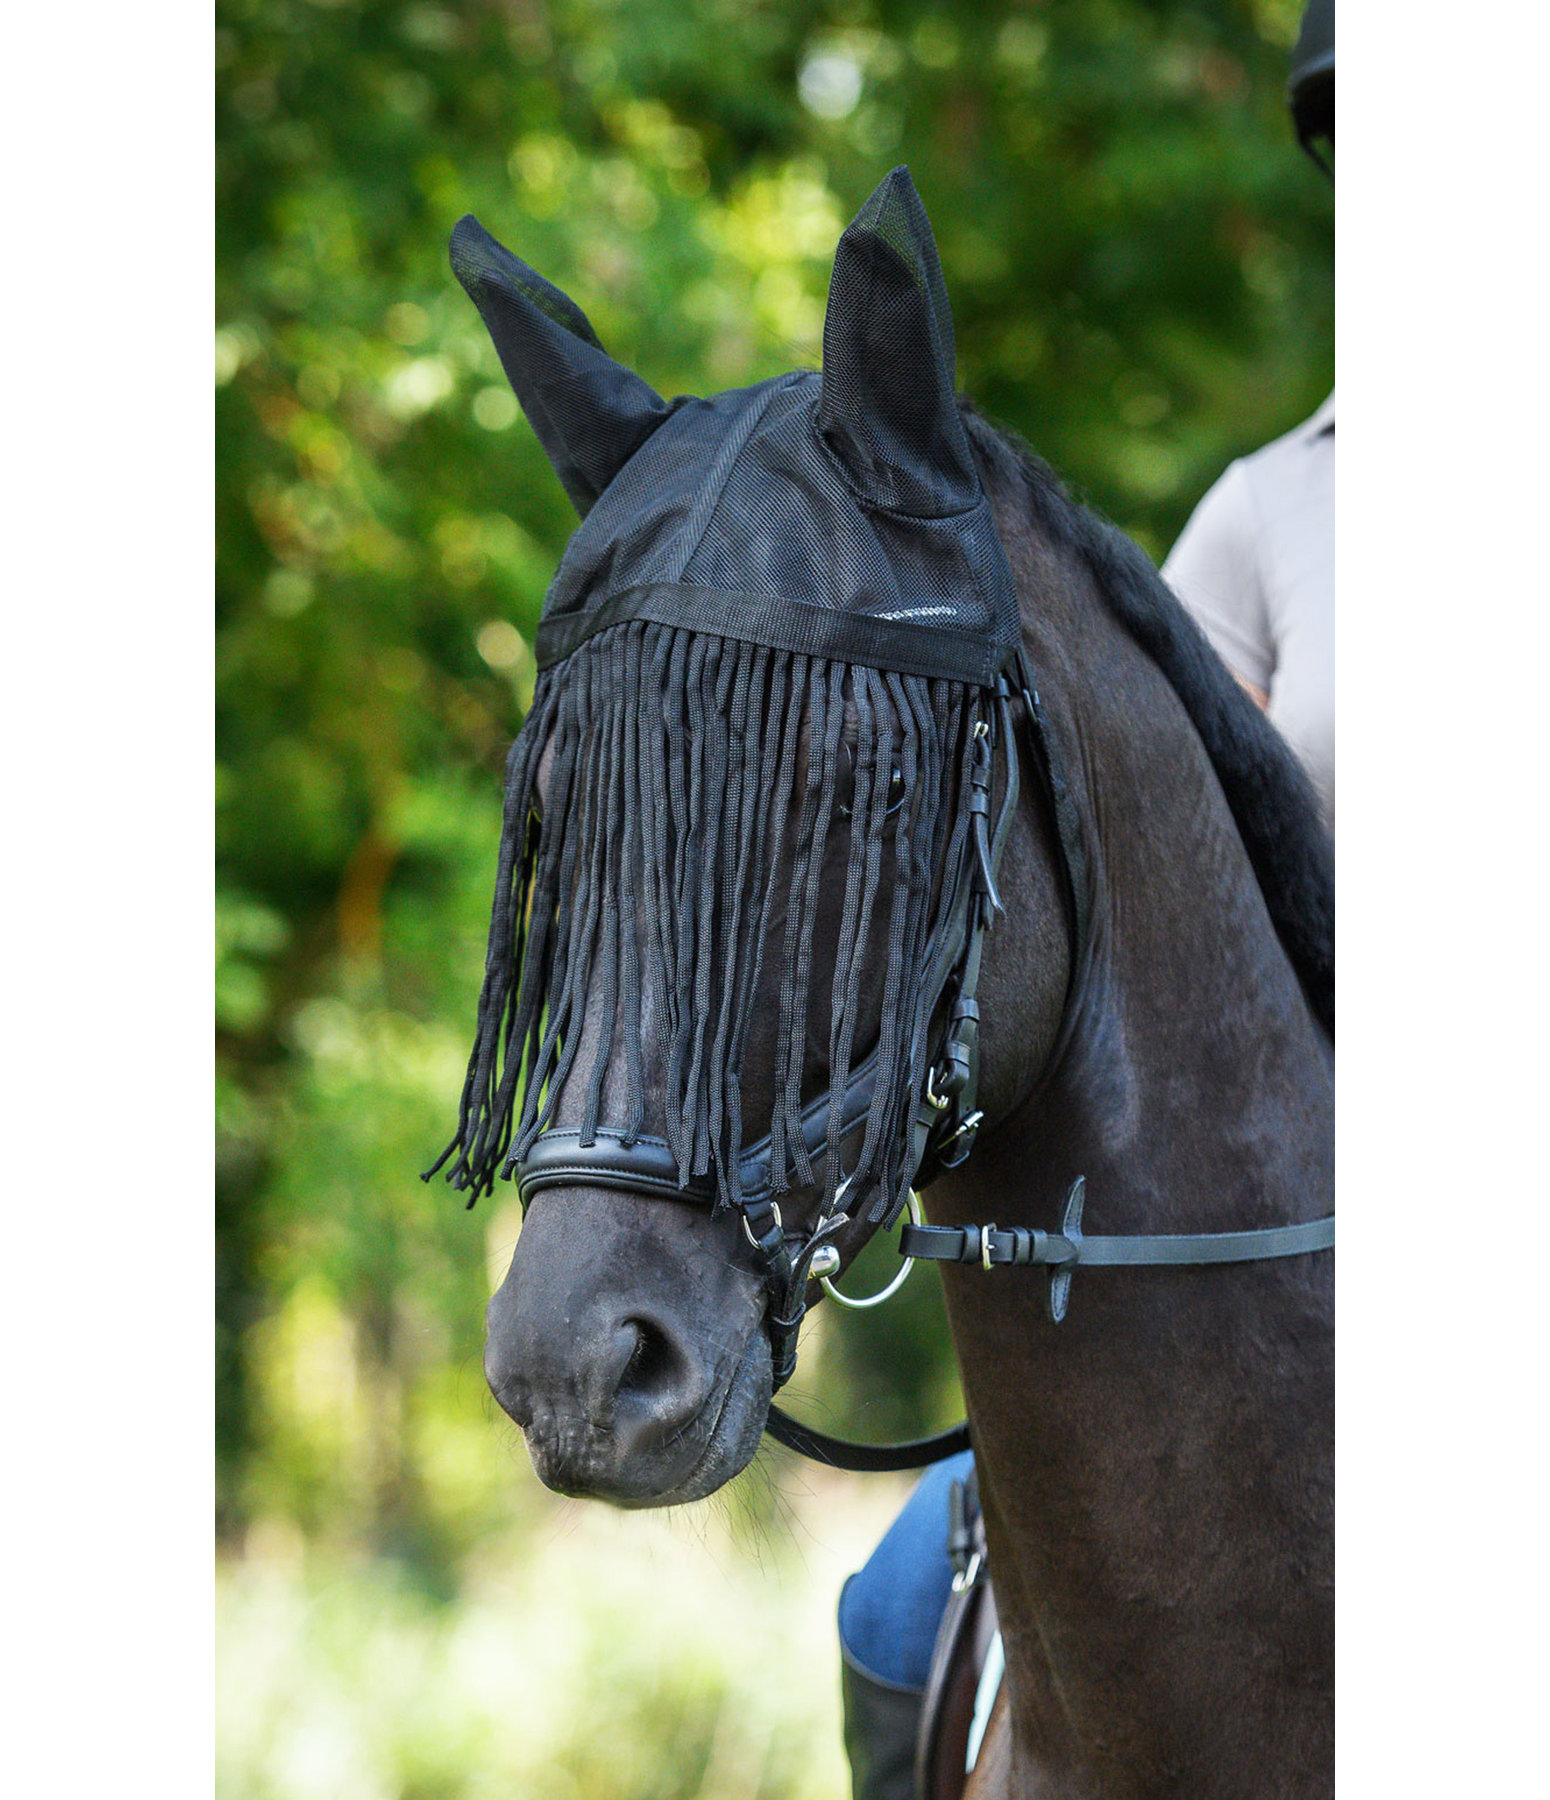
[
  {"x": 985, "y": 1231},
  {"x": 967, "y": 1576},
  {"x": 748, "y": 1230}
]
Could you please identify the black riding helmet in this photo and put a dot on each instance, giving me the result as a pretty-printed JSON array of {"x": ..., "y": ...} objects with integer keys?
[{"x": 1310, "y": 83}]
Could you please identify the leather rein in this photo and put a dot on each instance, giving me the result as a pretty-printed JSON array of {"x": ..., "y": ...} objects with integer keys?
[{"x": 945, "y": 1122}]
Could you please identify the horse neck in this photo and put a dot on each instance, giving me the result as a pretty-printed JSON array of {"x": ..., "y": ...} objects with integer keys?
[{"x": 1157, "y": 1468}]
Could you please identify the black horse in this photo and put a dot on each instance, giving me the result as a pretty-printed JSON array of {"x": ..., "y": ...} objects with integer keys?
[{"x": 1155, "y": 1013}]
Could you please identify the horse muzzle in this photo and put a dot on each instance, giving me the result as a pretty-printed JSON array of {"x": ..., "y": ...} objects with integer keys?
[{"x": 637, "y": 1368}]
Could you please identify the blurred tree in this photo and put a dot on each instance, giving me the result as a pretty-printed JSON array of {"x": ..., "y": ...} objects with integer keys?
[{"x": 1141, "y": 270}]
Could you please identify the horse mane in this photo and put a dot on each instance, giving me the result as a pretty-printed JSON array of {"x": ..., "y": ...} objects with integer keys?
[{"x": 1268, "y": 792}]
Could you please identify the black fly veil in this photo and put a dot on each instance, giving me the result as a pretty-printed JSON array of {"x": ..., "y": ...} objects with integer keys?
[{"x": 784, "y": 604}]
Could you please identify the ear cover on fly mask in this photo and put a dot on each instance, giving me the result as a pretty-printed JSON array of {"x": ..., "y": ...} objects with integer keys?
[
  {"x": 888, "y": 409},
  {"x": 591, "y": 413}
]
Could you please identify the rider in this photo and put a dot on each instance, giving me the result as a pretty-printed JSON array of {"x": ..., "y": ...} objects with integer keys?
[
  {"x": 1255, "y": 566},
  {"x": 1256, "y": 562}
]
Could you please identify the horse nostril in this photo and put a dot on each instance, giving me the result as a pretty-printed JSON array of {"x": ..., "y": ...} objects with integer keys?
[
  {"x": 661, "y": 1388},
  {"x": 656, "y": 1367}
]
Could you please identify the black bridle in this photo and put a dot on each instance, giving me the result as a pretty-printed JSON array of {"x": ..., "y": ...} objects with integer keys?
[{"x": 944, "y": 1122}]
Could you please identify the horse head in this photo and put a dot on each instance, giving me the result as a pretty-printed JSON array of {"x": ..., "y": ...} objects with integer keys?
[{"x": 753, "y": 826}]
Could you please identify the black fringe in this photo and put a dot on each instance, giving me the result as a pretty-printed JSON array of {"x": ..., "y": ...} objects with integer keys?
[{"x": 648, "y": 894}]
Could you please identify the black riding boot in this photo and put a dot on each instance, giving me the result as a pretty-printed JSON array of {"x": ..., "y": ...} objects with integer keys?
[{"x": 881, "y": 1722}]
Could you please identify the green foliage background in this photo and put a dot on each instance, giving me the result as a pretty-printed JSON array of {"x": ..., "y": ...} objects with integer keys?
[{"x": 1141, "y": 269}]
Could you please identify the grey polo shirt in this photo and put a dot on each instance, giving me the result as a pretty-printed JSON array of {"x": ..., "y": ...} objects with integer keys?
[{"x": 1256, "y": 567}]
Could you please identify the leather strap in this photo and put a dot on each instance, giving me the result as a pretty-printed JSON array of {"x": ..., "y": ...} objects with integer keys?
[
  {"x": 864, "y": 1459},
  {"x": 646, "y": 1164},
  {"x": 1015, "y": 1245},
  {"x": 1063, "y": 1251}
]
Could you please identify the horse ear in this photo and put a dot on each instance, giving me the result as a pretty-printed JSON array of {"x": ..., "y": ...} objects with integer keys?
[
  {"x": 888, "y": 408},
  {"x": 591, "y": 414}
]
